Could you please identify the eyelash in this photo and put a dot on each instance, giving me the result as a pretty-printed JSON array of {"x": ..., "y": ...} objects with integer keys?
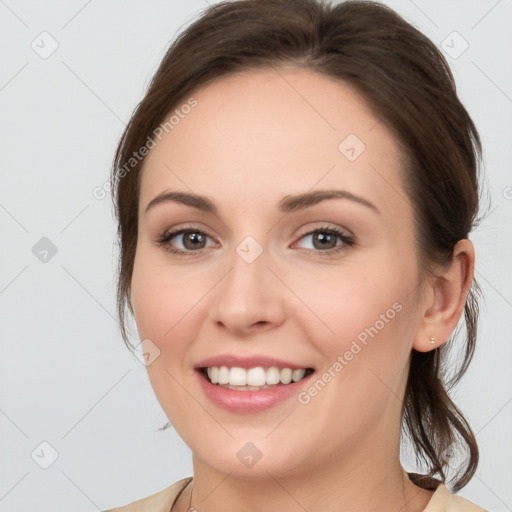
[{"x": 347, "y": 240}]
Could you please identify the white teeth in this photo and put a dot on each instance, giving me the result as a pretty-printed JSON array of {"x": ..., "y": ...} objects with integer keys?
[
  {"x": 273, "y": 376},
  {"x": 213, "y": 374},
  {"x": 286, "y": 375},
  {"x": 256, "y": 377},
  {"x": 223, "y": 375},
  {"x": 253, "y": 378},
  {"x": 298, "y": 374},
  {"x": 237, "y": 376}
]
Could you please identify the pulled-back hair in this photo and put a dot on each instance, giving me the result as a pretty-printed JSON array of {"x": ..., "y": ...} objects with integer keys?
[{"x": 408, "y": 84}]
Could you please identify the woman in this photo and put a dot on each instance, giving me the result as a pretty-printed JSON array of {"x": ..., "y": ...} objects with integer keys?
[{"x": 295, "y": 194}]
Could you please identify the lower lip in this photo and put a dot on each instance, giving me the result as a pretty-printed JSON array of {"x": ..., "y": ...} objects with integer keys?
[{"x": 249, "y": 401}]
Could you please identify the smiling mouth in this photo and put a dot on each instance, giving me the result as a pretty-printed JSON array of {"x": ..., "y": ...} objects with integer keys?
[{"x": 253, "y": 379}]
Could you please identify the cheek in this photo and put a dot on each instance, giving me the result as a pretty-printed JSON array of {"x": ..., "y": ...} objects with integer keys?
[
  {"x": 366, "y": 349},
  {"x": 163, "y": 300},
  {"x": 368, "y": 327},
  {"x": 166, "y": 312},
  {"x": 352, "y": 301}
]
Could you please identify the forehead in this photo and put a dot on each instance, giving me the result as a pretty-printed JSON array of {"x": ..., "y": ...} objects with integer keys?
[{"x": 269, "y": 132}]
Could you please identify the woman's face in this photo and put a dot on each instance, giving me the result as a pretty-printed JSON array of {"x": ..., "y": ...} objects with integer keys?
[{"x": 286, "y": 160}]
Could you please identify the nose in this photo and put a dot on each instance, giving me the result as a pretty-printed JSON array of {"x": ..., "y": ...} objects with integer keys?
[{"x": 249, "y": 298}]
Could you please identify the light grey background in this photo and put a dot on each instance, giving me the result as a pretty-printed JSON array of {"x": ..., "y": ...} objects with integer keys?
[{"x": 66, "y": 377}]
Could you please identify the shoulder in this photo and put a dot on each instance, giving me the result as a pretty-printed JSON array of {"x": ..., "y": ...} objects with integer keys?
[
  {"x": 445, "y": 501},
  {"x": 158, "y": 502}
]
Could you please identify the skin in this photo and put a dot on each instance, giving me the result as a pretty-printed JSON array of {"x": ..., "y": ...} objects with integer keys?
[{"x": 254, "y": 138}]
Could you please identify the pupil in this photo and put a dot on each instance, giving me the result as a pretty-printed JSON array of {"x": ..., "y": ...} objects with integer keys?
[
  {"x": 194, "y": 240},
  {"x": 325, "y": 239}
]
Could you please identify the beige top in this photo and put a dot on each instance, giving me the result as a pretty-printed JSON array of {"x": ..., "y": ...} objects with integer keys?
[{"x": 442, "y": 501}]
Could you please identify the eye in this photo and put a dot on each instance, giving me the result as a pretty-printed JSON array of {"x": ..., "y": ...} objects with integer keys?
[
  {"x": 327, "y": 240},
  {"x": 187, "y": 241},
  {"x": 184, "y": 241}
]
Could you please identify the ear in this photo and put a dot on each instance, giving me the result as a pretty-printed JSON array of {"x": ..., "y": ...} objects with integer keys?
[{"x": 445, "y": 297}]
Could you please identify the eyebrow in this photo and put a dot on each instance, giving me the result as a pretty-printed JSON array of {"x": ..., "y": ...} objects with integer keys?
[{"x": 288, "y": 204}]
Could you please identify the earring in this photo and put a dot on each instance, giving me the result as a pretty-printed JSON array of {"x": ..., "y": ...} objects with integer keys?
[{"x": 432, "y": 340}]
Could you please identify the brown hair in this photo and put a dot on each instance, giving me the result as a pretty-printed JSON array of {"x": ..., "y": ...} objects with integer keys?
[{"x": 407, "y": 82}]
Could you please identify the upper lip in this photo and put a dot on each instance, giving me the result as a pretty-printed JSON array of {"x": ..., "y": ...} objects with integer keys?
[{"x": 231, "y": 361}]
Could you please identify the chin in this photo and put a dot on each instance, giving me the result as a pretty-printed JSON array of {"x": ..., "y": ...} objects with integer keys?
[{"x": 258, "y": 460}]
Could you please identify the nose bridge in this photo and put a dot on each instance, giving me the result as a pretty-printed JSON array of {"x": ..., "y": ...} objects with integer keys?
[{"x": 248, "y": 294}]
